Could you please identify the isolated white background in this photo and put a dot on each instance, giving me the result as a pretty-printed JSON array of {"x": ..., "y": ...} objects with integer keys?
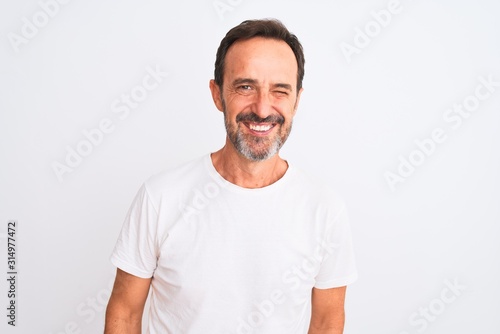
[{"x": 354, "y": 120}]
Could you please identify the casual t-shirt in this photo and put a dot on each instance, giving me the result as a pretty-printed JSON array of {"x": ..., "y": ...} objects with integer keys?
[{"x": 227, "y": 259}]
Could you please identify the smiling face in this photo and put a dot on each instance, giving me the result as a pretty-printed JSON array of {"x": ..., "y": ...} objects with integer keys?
[{"x": 259, "y": 96}]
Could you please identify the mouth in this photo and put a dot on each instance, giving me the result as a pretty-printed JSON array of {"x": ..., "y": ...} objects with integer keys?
[{"x": 260, "y": 129}]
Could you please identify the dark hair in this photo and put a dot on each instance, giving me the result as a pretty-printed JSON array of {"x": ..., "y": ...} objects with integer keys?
[{"x": 267, "y": 28}]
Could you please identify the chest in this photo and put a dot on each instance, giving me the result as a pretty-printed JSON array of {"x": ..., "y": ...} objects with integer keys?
[{"x": 228, "y": 243}]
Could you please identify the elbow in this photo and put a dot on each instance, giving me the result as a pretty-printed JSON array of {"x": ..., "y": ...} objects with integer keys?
[
  {"x": 119, "y": 317},
  {"x": 328, "y": 323}
]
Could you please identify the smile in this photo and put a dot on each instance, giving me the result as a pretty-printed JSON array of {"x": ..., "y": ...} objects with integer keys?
[{"x": 260, "y": 128}]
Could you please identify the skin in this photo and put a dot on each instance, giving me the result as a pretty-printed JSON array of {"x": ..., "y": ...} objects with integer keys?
[
  {"x": 260, "y": 77},
  {"x": 327, "y": 314},
  {"x": 257, "y": 78},
  {"x": 126, "y": 304}
]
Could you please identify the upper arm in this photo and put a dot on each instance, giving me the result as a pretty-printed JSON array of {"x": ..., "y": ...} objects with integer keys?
[
  {"x": 328, "y": 309},
  {"x": 129, "y": 294}
]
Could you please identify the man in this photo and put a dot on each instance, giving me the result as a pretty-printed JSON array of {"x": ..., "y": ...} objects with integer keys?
[{"x": 238, "y": 241}]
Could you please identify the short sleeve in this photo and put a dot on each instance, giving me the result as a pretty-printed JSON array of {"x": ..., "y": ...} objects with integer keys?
[
  {"x": 136, "y": 250},
  {"x": 338, "y": 267}
]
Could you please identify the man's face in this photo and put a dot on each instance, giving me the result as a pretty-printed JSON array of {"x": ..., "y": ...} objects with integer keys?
[{"x": 259, "y": 96}]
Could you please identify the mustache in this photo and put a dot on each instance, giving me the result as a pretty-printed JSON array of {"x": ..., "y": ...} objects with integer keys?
[{"x": 252, "y": 117}]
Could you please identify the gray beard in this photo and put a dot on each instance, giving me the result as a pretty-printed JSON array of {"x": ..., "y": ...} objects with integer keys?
[
  {"x": 244, "y": 146},
  {"x": 255, "y": 148}
]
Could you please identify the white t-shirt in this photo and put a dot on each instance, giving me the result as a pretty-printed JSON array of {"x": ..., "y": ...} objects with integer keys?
[{"x": 227, "y": 259}]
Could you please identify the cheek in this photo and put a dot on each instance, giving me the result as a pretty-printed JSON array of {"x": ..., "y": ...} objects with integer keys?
[
  {"x": 234, "y": 106},
  {"x": 287, "y": 110}
]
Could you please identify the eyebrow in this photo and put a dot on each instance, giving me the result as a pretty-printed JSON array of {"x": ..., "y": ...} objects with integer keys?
[
  {"x": 283, "y": 85},
  {"x": 241, "y": 81}
]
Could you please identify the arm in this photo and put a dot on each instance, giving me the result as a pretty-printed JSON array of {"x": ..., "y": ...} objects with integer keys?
[
  {"x": 328, "y": 314},
  {"x": 126, "y": 304}
]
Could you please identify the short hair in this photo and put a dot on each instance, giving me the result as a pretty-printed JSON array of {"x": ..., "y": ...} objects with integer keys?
[{"x": 267, "y": 28}]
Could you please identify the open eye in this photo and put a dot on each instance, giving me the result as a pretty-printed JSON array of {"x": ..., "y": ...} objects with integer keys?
[{"x": 244, "y": 87}]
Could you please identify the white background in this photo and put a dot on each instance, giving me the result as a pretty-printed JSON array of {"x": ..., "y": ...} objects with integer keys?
[{"x": 355, "y": 119}]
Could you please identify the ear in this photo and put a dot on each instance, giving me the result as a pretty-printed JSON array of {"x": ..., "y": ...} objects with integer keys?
[
  {"x": 216, "y": 94},
  {"x": 297, "y": 101}
]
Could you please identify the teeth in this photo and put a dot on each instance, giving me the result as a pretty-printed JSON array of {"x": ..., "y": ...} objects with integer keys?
[{"x": 260, "y": 128}]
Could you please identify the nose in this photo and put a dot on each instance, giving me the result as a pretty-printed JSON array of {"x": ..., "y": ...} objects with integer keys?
[{"x": 263, "y": 105}]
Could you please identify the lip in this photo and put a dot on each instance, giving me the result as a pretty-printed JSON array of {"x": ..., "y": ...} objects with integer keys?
[{"x": 259, "y": 133}]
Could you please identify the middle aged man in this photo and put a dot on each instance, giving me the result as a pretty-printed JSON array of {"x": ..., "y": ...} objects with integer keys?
[{"x": 238, "y": 241}]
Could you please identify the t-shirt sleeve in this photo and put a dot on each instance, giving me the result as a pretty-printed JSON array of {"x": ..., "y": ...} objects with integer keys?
[
  {"x": 136, "y": 250},
  {"x": 338, "y": 267}
]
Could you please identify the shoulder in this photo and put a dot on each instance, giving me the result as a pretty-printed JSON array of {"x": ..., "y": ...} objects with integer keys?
[
  {"x": 315, "y": 189},
  {"x": 177, "y": 179}
]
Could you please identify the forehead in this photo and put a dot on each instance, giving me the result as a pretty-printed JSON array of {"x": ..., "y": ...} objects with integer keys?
[{"x": 263, "y": 59}]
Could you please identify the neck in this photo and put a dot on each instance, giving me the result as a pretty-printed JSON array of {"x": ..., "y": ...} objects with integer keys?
[{"x": 235, "y": 168}]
